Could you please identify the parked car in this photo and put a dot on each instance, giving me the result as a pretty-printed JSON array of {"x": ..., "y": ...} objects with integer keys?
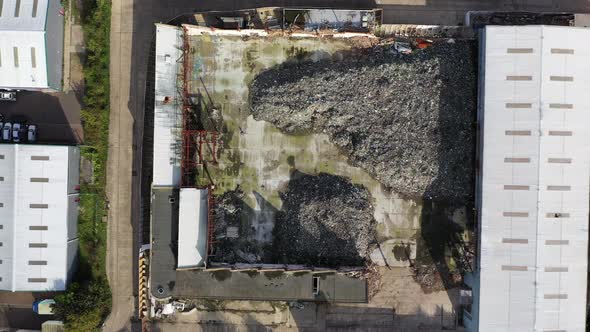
[
  {"x": 8, "y": 95},
  {"x": 32, "y": 133},
  {"x": 43, "y": 307},
  {"x": 16, "y": 128},
  {"x": 6, "y": 132}
]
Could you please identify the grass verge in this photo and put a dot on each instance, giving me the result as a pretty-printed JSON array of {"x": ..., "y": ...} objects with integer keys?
[{"x": 87, "y": 302}]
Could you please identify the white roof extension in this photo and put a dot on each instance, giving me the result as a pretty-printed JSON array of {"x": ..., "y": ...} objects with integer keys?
[
  {"x": 33, "y": 217},
  {"x": 535, "y": 185},
  {"x": 22, "y": 43},
  {"x": 192, "y": 228},
  {"x": 167, "y": 108}
]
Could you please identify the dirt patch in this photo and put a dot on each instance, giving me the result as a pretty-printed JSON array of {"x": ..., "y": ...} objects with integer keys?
[
  {"x": 406, "y": 119},
  {"x": 325, "y": 221}
]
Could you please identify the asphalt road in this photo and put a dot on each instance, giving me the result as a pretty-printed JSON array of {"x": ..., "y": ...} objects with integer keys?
[{"x": 131, "y": 34}]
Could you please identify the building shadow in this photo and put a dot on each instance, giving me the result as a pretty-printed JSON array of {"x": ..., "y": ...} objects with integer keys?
[
  {"x": 240, "y": 229},
  {"x": 444, "y": 254},
  {"x": 266, "y": 235},
  {"x": 340, "y": 247}
]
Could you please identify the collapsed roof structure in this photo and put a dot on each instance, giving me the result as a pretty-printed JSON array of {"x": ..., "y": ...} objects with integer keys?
[
  {"x": 533, "y": 190},
  {"x": 184, "y": 176}
]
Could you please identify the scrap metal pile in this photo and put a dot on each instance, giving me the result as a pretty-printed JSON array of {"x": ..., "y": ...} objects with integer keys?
[
  {"x": 408, "y": 120},
  {"x": 325, "y": 221}
]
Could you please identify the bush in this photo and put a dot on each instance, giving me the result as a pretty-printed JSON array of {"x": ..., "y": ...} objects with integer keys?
[
  {"x": 87, "y": 302},
  {"x": 83, "y": 307}
]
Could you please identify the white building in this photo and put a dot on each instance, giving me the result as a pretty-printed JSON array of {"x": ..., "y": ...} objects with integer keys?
[
  {"x": 167, "y": 108},
  {"x": 31, "y": 44},
  {"x": 192, "y": 228},
  {"x": 533, "y": 185},
  {"x": 190, "y": 216},
  {"x": 38, "y": 216}
]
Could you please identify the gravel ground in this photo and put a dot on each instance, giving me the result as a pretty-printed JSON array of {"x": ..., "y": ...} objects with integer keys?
[
  {"x": 406, "y": 119},
  {"x": 325, "y": 221}
]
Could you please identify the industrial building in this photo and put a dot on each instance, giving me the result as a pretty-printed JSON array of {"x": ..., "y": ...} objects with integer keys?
[
  {"x": 31, "y": 45},
  {"x": 532, "y": 185},
  {"x": 182, "y": 201},
  {"x": 39, "y": 187},
  {"x": 179, "y": 215}
]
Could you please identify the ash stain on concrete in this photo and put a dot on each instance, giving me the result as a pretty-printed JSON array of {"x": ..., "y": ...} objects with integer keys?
[{"x": 221, "y": 275}]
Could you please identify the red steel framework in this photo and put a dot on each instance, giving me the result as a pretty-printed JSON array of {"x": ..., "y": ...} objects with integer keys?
[{"x": 194, "y": 144}]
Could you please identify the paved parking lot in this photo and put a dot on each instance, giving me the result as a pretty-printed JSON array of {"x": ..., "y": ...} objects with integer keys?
[{"x": 57, "y": 115}]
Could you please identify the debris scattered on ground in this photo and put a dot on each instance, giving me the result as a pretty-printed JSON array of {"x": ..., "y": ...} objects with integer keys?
[
  {"x": 325, "y": 221},
  {"x": 234, "y": 236},
  {"x": 406, "y": 119},
  {"x": 373, "y": 277}
]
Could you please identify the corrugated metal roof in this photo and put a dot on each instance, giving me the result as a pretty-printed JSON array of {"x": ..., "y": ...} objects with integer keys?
[
  {"x": 22, "y": 59},
  {"x": 23, "y": 24},
  {"x": 192, "y": 228},
  {"x": 34, "y": 216},
  {"x": 535, "y": 179},
  {"x": 167, "y": 108},
  {"x": 30, "y": 15},
  {"x": 52, "y": 326}
]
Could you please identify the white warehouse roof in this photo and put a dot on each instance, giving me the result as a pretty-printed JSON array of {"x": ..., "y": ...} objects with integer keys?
[
  {"x": 31, "y": 39},
  {"x": 192, "y": 228},
  {"x": 38, "y": 214},
  {"x": 30, "y": 15},
  {"x": 534, "y": 184},
  {"x": 23, "y": 59},
  {"x": 167, "y": 111}
]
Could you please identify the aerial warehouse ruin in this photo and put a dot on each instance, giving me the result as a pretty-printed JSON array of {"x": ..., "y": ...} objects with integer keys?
[
  {"x": 196, "y": 113},
  {"x": 532, "y": 187}
]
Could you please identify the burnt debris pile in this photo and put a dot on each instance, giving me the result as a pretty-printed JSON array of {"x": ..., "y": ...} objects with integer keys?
[
  {"x": 408, "y": 120},
  {"x": 235, "y": 236},
  {"x": 325, "y": 221}
]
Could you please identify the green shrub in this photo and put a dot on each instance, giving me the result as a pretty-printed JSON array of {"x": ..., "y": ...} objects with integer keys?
[
  {"x": 83, "y": 308},
  {"x": 87, "y": 302}
]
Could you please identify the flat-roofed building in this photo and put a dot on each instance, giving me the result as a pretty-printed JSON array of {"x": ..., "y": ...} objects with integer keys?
[
  {"x": 192, "y": 228},
  {"x": 39, "y": 187},
  {"x": 533, "y": 181},
  {"x": 167, "y": 107},
  {"x": 31, "y": 44}
]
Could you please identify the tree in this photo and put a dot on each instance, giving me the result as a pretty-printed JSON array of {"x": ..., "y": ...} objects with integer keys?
[{"x": 83, "y": 307}]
